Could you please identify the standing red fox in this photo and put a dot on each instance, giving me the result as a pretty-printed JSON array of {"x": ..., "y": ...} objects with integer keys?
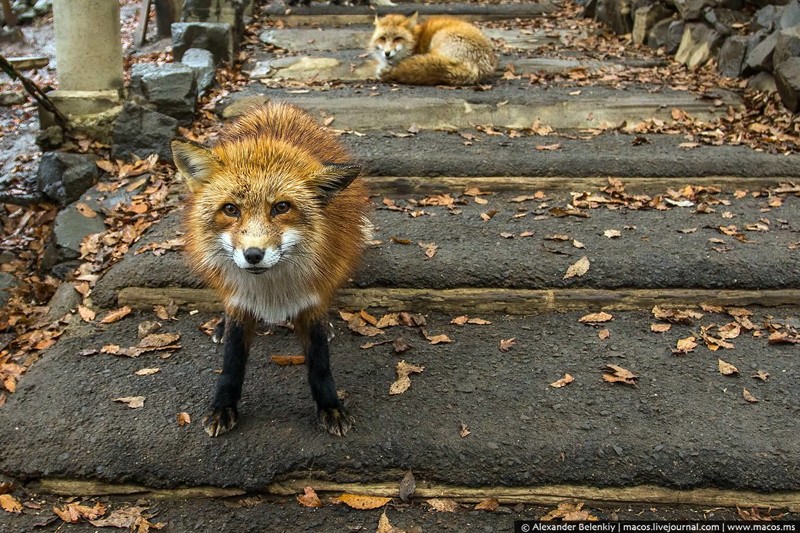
[
  {"x": 276, "y": 223},
  {"x": 440, "y": 51}
]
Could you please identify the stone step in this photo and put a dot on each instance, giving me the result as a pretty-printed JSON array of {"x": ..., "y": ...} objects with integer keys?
[
  {"x": 357, "y": 38},
  {"x": 512, "y": 106},
  {"x": 672, "y": 430},
  {"x": 675, "y": 249},
  {"x": 333, "y": 15},
  {"x": 353, "y": 67}
]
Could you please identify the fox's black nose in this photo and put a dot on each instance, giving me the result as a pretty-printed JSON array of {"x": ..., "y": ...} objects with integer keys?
[
  {"x": 388, "y": 53},
  {"x": 253, "y": 255}
]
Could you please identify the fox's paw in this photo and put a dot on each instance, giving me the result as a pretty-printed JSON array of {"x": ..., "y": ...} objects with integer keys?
[
  {"x": 336, "y": 420},
  {"x": 221, "y": 420}
]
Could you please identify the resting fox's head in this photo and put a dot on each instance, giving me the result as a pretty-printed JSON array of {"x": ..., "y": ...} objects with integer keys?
[
  {"x": 394, "y": 38},
  {"x": 255, "y": 205}
]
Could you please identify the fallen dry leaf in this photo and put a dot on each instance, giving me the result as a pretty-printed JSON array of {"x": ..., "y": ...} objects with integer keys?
[
  {"x": 388, "y": 320},
  {"x": 506, "y": 344},
  {"x": 761, "y": 374},
  {"x": 363, "y": 502},
  {"x": 488, "y": 504},
  {"x": 569, "y": 512},
  {"x": 116, "y": 315},
  {"x": 134, "y": 402},
  {"x": 288, "y": 360},
  {"x": 384, "y": 526},
  {"x": 73, "y": 512},
  {"x": 579, "y": 268},
  {"x": 183, "y": 419},
  {"x": 563, "y": 382},
  {"x": 685, "y": 346},
  {"x": 132, "y": 518},
  {"x": 726, "y": 368},
  {"x": 677, "y": 316},
  {"x": 403, "y": 382},
  {"x": 10, "y": 504},
  {"x": 436, "y": 339},
  {"x": 603, "y": 334},
  {"x": 783, "y": 337},
  {"x": 660, "y": 328},
  {"x": 464, "y": 431},
  {"x": 755, "y": 515},
  {"x": 619, "y": 375},
  {"x": 87, "y": 315},
  {"x": 595, "y": 318},
  {"x": 430, "y": 248},
  {"x": 147, "y": 371},
  {"x": 407, "y": 486},
  {"x": 358, "y": 324},
  {"x": 612, "y": 233},
  {"x": 85, "y": 210},
  {"x": 749, "y": 397},
  {"x": 309, "y": 498},
  {"x": 443, "y": 505}
]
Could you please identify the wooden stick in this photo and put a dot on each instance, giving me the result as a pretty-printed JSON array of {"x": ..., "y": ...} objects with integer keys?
[
  {"x": 141, "y": 29},
  {"x": 34, "y": 91}
]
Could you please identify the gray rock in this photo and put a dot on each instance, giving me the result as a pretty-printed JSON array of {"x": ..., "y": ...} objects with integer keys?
[
  {"x": 763, "y": 82},
  {"x": 170, "y": 88},
  {"x": 7, "y": 284},
  {"x": 692, "y": 10},
  {"x": 9, "y": 98},
  {"x": 50, "y": 138},
  {"x": 657, "y": 36},
  {"x": 765, "y": 19},
  {"x": 216, "y": 37},
  {"x": 724, "y": 20},
  {"x": 788, "y": 45},
  {"x": 65, "y": 300},
  {"x": 69, "y": 230},
  {"x": 140, "y": 131},
  {"x": 202, "y": 63},
  {"x": 616, "y": 14},
  {"x": 27, "y": 16},
  {"x": 731, "y": 56},
  {"x": 239, "y": 106},
  {"x": 790, "y": 15},
  {"x": 698, "y": 44},
  {"x": 11, "y": 35},
  {"x": 63, "y": 177},
  {"x": 589, "y": 9},
  {"x": 43, "y": 6},
  {"x": 674, "y": 35},
  {"x": 645, "y": 18},
  {"x": 759, "y": 57},
  {"x": 787, "y": 79}
]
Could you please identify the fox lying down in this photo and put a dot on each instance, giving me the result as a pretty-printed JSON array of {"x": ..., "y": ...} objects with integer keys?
[{"x": 276, "y": 223}]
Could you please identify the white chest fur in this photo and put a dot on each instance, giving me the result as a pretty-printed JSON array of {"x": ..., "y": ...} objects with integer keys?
[{"x": 274, "y": 296}]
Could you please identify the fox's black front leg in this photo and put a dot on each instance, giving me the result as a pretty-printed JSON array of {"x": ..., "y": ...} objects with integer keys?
[
  {"x": 224, "y": 414},
  {"x": 314, "y": 336}
]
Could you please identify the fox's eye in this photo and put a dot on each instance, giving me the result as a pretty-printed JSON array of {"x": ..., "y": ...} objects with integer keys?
[
  {"x": 397, "y": 40},
  {"x": 280, "y": 208},
  {"x": 381, "y": 40},
  {"x": 231, "y": 210}
]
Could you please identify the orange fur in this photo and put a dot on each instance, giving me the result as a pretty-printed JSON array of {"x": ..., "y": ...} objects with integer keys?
[
  {"x": 273, "y": 154},
  {"x": 442, "y": 50}
]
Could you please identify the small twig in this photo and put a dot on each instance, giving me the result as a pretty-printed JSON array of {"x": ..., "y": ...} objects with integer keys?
[{"x": 34, "y": 91}]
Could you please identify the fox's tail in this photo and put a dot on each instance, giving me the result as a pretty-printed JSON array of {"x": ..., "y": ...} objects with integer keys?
[{"x": 432, "y": 69}]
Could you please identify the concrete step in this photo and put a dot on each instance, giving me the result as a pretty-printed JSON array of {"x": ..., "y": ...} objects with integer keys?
[
  {"x": 333, "y": 15},
  {"x": 677, "y": 249},
  {"x": 514, "y": 105},
  {"x": 683, "y": 425}
]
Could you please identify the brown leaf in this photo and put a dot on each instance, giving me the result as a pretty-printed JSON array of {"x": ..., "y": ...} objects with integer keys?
[
  {"x": 183, "y": 419},
  {"x": 749, "y": 397},
  {"x": 134, "y": 402},
  {"x": 87, "y": 315},
  {"x": 460, "y": 320},
  {"x": 407, "y": 486},
  {"x": 557, "y": 237},
  {"x": 481, "y": 201},
  {"x": 612, "y": 233},
  {"x": 436, "y": 339},
  {"x": 478, "y": 321},
  {"x": 85, "y": 210},
  {"x": 726, "y": 368},
  {"x": 368, "y": 318},
  {"x": 388, "y": 320},
  {"x": 569, "y": 512},
  {"x": 132, "y": 518},
  {"x": 363, "y": 502},
  {"x": 579, "y": 268},
  {"x": 399, "y": 240},
  {"x": 617, "y": 374},
  {"x": 10, "y": 504},
  {"x": 487, "y": 216},
  {"x": 487, "y": 504},
  {"x": 563, "y": 382},
  {"x": 159, "y": 341},
  {"x": 116, "y": 315},
  {"x": 208, "y": 327},
  {"x": 660, "y": 328},
  {"x": 309, "y": 498},
  {"x": 288, "y": 360},
  {"x": 783, "y": 337},
  {"x": 464, "y": 431},
  {"x": 400, "y": 345},
  {"x": 548, "y": 147},
  {"x": 384, "y": 526},
  {"x": 443, "y": 505},
  {"x": 358, "y": 324},
  {"x": 403, "y": 382},
  {"x": 603, "y": 334},
  {"x": 73, "y": 512},
  {"x": 430, "y": 248},
  {"x": 506, "y": 344},
  {"x": 761, "y": 374},
  {"x": 147, "y": 371},
  {"x": 685, "y": 346},
  {"x": 677, "y": 316},
  {"x": 596, "y": 318}
]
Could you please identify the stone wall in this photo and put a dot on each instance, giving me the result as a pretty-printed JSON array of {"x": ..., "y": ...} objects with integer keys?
[{"x": 757, "y": 39}]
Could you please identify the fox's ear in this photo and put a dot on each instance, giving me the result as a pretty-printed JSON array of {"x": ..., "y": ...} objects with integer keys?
[
  {"x": 334, "y": 178},
  {"x": 412, "y": 20},
  {"x": 376, "y": 19},
  {"x": 195, "y": 163}
]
